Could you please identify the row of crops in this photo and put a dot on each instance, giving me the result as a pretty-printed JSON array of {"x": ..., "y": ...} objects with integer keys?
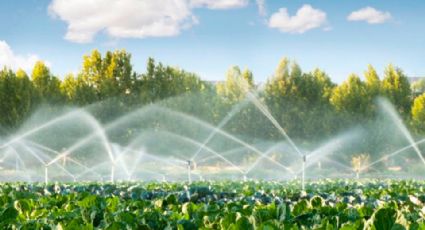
[{"x": 328, "y": 204}]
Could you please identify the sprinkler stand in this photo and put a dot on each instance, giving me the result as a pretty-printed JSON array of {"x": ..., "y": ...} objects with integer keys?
[
  {"x": 303, "y": 173},
  {"x": 113, "y": 172},
  {"x": 46, "y": 174},
  {"x": 189, "y": 169}
]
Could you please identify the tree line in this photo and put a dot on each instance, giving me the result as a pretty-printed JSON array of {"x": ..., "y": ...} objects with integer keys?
[{"x": 306, "y": 104}]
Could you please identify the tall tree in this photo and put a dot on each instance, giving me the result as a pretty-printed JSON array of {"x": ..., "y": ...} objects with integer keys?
[
  {"x": 418, "y": 87},
  {"x": 236, "y": 85},
  {"x": 299, "y": 100},
  {"x": 282, "y": 96},
  {"x": 396, "y": 88},
  {"x": 119, "y": 76},
  {"x": 373, "y": 84},
  {"x": 92, "y": 71},
  {"x": 77, "y": 91},
  {"x": 26, "y": 94},
  {"x": 111, "y": 76},
  {"x": 350, "y": 97},
  {"x": 418, "y": 113},
  {"x": 160, "y": 82},
  {"x": 16, "y": 95},
  {"x": 46, "y": 85},
  {"x": 373, "y": 88}
]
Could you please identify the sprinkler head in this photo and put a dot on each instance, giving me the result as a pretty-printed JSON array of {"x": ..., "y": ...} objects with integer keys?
[
  {"x": 191, "y": 164},
  {"x": 304, "y": 158}
]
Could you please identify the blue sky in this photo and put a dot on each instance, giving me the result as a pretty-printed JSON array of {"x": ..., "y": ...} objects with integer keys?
[{"x": 207, "y": 37}]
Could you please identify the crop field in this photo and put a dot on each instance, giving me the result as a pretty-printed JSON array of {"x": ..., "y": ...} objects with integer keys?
[{"x": 326, "y": 204}]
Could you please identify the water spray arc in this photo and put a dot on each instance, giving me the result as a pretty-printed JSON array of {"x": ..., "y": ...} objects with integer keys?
[
  {"x": 389, "y": 109},
  {"x": 176, "y": 140},
  {"x": 263, "y": 108},
  {"x": 399, "y": 151}
]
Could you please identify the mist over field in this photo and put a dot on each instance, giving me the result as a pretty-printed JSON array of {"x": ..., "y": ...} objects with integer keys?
[{"x": 212, "y": 114}]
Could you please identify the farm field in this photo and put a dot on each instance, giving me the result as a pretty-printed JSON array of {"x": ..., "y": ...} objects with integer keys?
[
  {"x": 212, "y": 114},
  {"x": 326, "y": 204}
]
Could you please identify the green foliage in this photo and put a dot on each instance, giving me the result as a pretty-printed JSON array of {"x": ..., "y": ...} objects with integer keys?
[
  {"x": 373, "y": 88},
  {"x": 418, "y": 87},
  {"x": 396, "y": 88},
  {"x": 298, "y": 99},
  {"x": 308, "y": 105},
  {"x": 46, "y": 85},
  {"x": 77, "y": 91},
  {"x": 351, "y": 96},
  {"x": 17, "y": 97},
  {"x": 236, "y": 85},
  {"x": 161, "y": 82},
  {"x": 330, "y": 204},
  {"x": 418, "y": 112},
  {"x": 110, "y": 76}
]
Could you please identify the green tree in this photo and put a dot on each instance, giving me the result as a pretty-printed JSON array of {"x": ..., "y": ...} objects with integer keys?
[
  {"x": 315, "y": 109},
  {"x": 16, "y": 94},
  {"x": 418, "y": 87},
  {"x": 68, "y": 88},
  {"x": 92, "y": 70},
  {"x": 373, "y": 84},
  {"x": 299, "y": 100},
  {"x": 110, "y": 76},
  {"x": 284, "y": 97},
  {"x": 8, "y": 88},
  {"x": 350, "y": 97},
  {"x": 236, "y": 85},
  {"x": 26, "y": 95},
  {"x": 418, "y": 113},
  {"x": 77, "y": 91},
  {"x": 396, "y": 88},
  {"x": 119, "y": 76},
  {"x": 161, "y": 82},
  {"x": 373, "y": 88},
  {"x": 232, "y": 91},
  {"x": 324, "y": 84},
  {"x": 282, "y": 86},
  {"x": 46, "y": 85}
]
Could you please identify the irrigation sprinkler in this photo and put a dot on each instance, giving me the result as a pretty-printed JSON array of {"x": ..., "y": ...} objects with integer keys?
[
  {"x": 303, "y": 172},
  {"x": 245, "y": 178},
  {"x": 16, "y": 164},
  {"x": 112, "y": 172},
  {"x": 64, "y": 159},
  {"x": 189, "y": 173},
  {"x": 46, "y": 174}
]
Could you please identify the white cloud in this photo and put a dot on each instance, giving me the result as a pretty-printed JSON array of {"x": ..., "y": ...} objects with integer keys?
[
  {"x": 131, "y": 18},
  {"x": 305, "y": 19},
  {"x": 370, "y": 15},
  {"x": 219, "y": 4},
  {"x": 11, "y": 60},
  {"x": 261, "y": 4},
  {"x": 122, "y": 19}
]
